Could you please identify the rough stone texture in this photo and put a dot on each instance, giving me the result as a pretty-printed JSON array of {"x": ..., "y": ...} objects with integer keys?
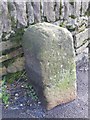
[
  {"x": 84, "y": 7},
  {"x": 77, "y": 8},
  {"x": 36, "y": 7},
  {"x": 30, "y": 12},
  {"x": 21, "y": 13},
  {"x": 8, "y": 45},
  {"x": 66, "y": 10},
  {"x": 71, "y": 12},
  {"x": 1, "y": 25},
  {"x": 57, "y": 9},
  {"x": 82, "y": 55},
  {"x": 49, "y": 12},
  {"x": 50, "y": 63},
  {"x": 82, "y": 48},
  {"x": 82, "y": 37},
  {"x": 2, "y": 71},
  {"x": 14, "y": 14},
  {"x": 18, "y": 65},
  {"x": 5, "y": 17}
]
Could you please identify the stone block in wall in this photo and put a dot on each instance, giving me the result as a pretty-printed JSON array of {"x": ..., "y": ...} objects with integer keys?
[
  {"x": 57, "y": 9},
  {"x": 21, "y": 13},
  {"x": 7, "y": 45},
  {"x": 78, "y": 8},
  {"x": 6, "y": 21},
  {"x": 18, "y": 65},
  {"x": 82, "y": 48},
  {"x": 3, "y": 71},
  {"x": 11, "y": 55},
  {"x": 66, "y": 10},
  {"x": 84, "y": 7},
  {"x": 36, "y": 8},
  {"x": 49, "y": 12},
  {"x": 82, "y": 37},
  {"x": 1, "y": 24},
  {"x": 71, "y": 12},
  {"x": 82, "y": 55},
  {"x": 81, "y": 28},
  {"x": 50, "y": 64},
  {"x": 30, "y": 12},
  {"x": 13, "y": 13}
]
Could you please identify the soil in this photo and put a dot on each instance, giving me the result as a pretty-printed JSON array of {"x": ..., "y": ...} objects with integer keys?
[{"x": 24, "y": 106}]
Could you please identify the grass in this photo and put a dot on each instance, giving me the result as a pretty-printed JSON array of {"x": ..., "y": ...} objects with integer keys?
[{"x": 15, "y": 79}]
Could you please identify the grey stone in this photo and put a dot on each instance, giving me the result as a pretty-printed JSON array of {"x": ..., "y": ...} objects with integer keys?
[
  {"x": 82, "y": 48},
  {"x": 82, "y": 37},
  {"x": 82, "y": 55},
  {"x": 12, "y": 13},
  {"x": 84, "y": 7},
  {"x": 1, "y": 25},
  {"x": 3, "y": 71},
  {"x": 30, "y": 12},
  {"x": 62, "y": 10},
  {"x": 57, "y": 9},
  {"x": 66, "y": 10},
  {"x": 21, "y": 13},
  {"x": 18, "y": 65},
  {"x": 5, "y": 17},
  {"x": 49, "y": 12},
  {"x": 77, "y": 8},
  {"x": 50, "y": 63},
  {"x": 71, "y": 12},
  {"x": 36, "y": 7}
]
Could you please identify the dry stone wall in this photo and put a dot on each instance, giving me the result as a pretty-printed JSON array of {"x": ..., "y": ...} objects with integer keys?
[{"x": 15, "y": 17}]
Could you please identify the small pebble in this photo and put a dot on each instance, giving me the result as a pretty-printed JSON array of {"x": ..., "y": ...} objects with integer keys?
[
  {"x": 16, "y": 94},
  {"x": 21, "y": 105},
  {"x": 15, "y": 98},
  {"x": 30, "y": 104},
  {"x": 6, "y": 106},
  {"x": 39, "y": 102},
  {"x": 22, "y": 86}
]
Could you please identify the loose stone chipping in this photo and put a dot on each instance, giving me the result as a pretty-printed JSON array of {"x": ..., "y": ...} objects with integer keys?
[{"x": 50, "y": 63}]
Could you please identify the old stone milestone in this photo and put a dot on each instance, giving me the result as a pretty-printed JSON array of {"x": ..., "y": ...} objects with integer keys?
[{"x": 50, "y": 64}]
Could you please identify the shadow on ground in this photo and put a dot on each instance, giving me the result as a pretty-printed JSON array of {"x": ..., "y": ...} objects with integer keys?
[{"x": 25, "y": 107}]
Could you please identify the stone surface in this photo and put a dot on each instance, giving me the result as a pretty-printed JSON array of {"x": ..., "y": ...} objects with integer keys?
[
  {"x": 57, "y": 9},
  {"x": 50, "y": 63},
  {"x": 82, "y": 48},
  {"x": 3, "y": 71},
  {"x": 49, "y": 12},
  {"x": 21, "y": 13},
  {"x": 83, "y": 55},
  {"x": 82, "y": 37},
  {"x": 5, "y": 17},
  {"x": 18, "y": 65},
  {"x": 30, "y": 12},
  {"x": 36, "y": 7}
]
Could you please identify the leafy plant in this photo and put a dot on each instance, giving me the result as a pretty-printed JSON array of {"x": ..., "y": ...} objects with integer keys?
[
  {"x": 4, "y": 95},
  {"x": 31, "y": 92}
]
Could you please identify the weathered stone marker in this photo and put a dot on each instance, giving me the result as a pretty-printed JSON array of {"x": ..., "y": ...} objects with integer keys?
[{"x": 50, "y": 63}]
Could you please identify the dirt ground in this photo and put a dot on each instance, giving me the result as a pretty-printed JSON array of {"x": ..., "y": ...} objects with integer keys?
[{"x": 27, "y": 108}]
